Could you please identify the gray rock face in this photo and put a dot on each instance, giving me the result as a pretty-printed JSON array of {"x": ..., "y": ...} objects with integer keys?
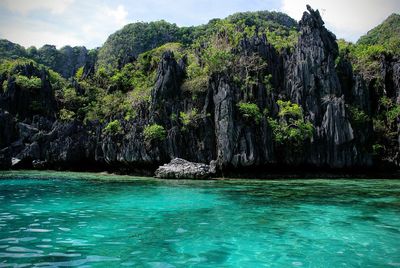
[
  {"x": 313, "y": 82},
  {"x": 182, "y": 169},
  {"x": 26, "y": 102},
  {"x": 169, "y": 77},
  {"x": 7, "y": 131},
  {"x": 306, "y": 75},
  {"x": 5, "y": 158},
  {"x": 26, "y": 131}
]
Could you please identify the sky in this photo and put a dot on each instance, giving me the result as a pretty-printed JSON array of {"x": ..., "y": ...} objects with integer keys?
[{"x": 90, "y": 22}]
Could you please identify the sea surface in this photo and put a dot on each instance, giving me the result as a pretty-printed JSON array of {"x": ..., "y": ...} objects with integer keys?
[{"x": 54, "y": 219}]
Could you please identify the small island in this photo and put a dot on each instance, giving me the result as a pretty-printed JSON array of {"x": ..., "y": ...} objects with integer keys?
[
  {"x": 254, "y": 140},
  {"x": 255, "y": 91}
]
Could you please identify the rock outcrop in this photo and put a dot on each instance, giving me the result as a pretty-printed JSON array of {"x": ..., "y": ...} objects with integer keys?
[
  {"x": 181, "y": 169},
  {"x": 217, "y": 131},
  {"x": 26, "y": 102},
  {"x": 313, "y": 82}
]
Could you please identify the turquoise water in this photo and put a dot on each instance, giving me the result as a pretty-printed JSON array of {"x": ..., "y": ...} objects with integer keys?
[{"x": 58, "y": 220}]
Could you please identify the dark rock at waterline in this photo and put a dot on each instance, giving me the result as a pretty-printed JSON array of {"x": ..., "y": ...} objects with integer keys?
[
  {"x": 5, "y": 158},
  {"x": 182, "y": 169}
]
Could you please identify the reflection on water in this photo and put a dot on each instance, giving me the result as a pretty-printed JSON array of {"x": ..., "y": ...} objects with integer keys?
[{"x": 53, "y": 219}]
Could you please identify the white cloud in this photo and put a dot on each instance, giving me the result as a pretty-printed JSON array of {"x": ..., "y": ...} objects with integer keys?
[
  {"x": 76, "y": 26},
  {"x": 32, "y": 33},
  {"x": 104, "y": 20},
  {"x": 119, "y": 14},
  {"x": 347, "y": 19},
  {"x": 90, "y": 22},
  {"x": 24, "y": 7}
]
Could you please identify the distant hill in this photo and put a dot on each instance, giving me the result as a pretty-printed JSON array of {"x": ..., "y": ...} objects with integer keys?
[
  {"x": 386, "y": 34},
  {"x": 65, "y": 61},
  {"x": 133, "y": 39},
  {"x": 126, "y": 44},
  {"x": 10, "y": 50}
]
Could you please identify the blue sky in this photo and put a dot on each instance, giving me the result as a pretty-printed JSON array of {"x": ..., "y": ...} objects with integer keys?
[{"x": 90, "y": 22}]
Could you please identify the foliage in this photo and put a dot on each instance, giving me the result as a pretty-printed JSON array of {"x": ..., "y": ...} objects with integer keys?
[
  {"x": 196, "y": 76},
  {"x": 358, "y": 116},
  {"x": 280, "y": 29},
  {"x": 28, "y": 83},
  {"x": 154, "y": 132},
  {"x": 249, "y": 71},
  {"x": 66, "y": 115},
  {"x": 283, "y": 39},
  {"x": 290, "y": 128},
  {"x": 390, "y": 110},
  {"x": 9, "y": 50},
  {"x": 266, "y": 20},
  {"x": 4, "y": 85},
  {"x": 268, "y": 83},
  {"x": 286, "y": 108},
  {"x": 134, "y": 39},
  {"x": 196, "y": 85},
  {"x": 393, "y": 113},
  {"x": 250, "y": 111},
  {"x": 189, "y": 118},
  {"x": 218, "y": 59},
  {"x": 105, "y": 106},
  {"x": 57, "y": 82},
  {"x": 150, "y": 59},
  {"x": 79, "y": 73},
  {"x": 113, "y": 128},
  {"x": 387, "y": 34},
  {"x": 101, "y": 77},
  {"x": 15, "y": 68},
  {"x": 385, "y": 124},
  {"x": 364, "y": 58},
  {"x": 71, "y": 100},
  {"x": 377, "y": 149},
  {"x": 12, "y": 67}
]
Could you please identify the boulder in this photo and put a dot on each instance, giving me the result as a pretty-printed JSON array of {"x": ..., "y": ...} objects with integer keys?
[{"x": 180, "y": 168}]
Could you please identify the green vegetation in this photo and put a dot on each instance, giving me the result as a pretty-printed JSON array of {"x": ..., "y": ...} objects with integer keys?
[
  {"x": 134, "y": 39},
  {"x": 280, "y": 29},
  {"x": 250, "y": 111},
  {"x": 358, "y": 116},
  {"x": 66, "y": 115},
  {"x": 189, "y": 118},
  {"x": 28, "y": 83},
  {"x": 364, "y": 58},
  {"x": 196, "y": 85},
  {"x": 9, "y": 50},
  {"x": 154, "y": 132},
  {"x": 390, "y": 111},
  {"x": 385, "y": 127},
  {"x": 387, "y": 35},
  {"x": 128, "y": 43},
  {"x": 96, "y": 86},
  {"x": 291, "y": 129},
  {"x": 79, "y": 73},
  {"x": 113, "y": 128}
]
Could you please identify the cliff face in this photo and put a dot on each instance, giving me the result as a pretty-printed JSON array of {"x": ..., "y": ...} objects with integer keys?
[
  {"x": 313, "y": 82},
  {"x": 306, "y": 75}
]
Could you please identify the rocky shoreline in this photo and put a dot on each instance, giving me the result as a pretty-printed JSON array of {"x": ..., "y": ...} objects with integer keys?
[{"x": 182, "y": 169}]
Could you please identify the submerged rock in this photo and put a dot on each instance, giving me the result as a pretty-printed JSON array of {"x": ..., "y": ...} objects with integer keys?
[{"x": 180, "y": 168}]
